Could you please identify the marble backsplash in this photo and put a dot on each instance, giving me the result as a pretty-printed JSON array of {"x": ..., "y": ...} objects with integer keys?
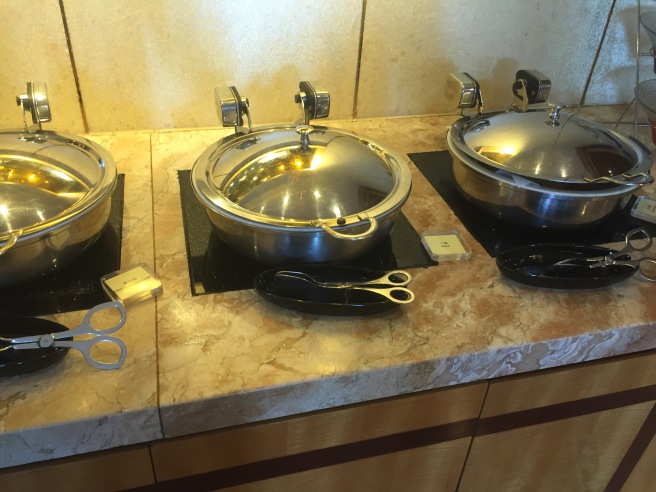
[{"x": 127, "y": 65}]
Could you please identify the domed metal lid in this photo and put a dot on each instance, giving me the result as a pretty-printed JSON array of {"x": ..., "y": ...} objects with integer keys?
[
  {"x": 293, "y": 175},
  {"x": 48, "y": 178},
  {"x": 552, "y": 145}
]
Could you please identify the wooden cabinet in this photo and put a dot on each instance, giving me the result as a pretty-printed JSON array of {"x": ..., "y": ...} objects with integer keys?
[
  {"x": 416, "y": 443},
  {"x": 104, "y": 471},
  {"x": 578, "y": 428},
  {"x": 587, "y": 427}
]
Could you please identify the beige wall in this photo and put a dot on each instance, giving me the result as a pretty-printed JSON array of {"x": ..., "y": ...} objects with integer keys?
[{"x": 154, "y": 63}]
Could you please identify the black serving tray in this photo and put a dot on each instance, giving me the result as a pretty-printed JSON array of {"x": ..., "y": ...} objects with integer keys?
[
  {"x": 18, "y": 362},
  {"x": 315, "y": 299},
  {"x": 533, "y": 265}
]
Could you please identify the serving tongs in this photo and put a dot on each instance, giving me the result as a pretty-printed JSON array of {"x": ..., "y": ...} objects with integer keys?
[
  {"x": 64, "y": 338},
  {"x": 391, "y": 285},
  {"x": 636, "y": 241}
]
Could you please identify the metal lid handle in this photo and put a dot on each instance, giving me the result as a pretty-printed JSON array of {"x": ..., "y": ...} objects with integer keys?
[
  {"x": 35, "y": 100},
  {"x": 231, "y": 107},
  {"x": 530, "y": 87},
  {"x": 625, "y": 179},
  {"x": 466, "y": 90},
  {"x": 13, "y": 239},
  {"x": 373, "y": 226},
  {"x": 314, "y": 101}
]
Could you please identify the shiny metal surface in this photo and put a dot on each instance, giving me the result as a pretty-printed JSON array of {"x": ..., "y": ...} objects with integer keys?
[
  {"x": 47, "y": 177},
  {"x": 514, "y": 199},
  {"x": 231, "y": 107},
  {"x": 314, "y": 101},
  {"x": 278, "y": 198},
  {"x": 530, "y": 87},
  {"x": 55, "y": 197},
  {"x": 464, "y": 89},
  {"x": 271, "y": 175},
  {"x": 35, "y": 101},
  {"x": 553, "y": 146}
]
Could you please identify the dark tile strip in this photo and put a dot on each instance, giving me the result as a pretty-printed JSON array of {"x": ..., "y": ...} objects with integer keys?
[
  {"x": 143, "y": 488},
  {"x": 74, "y": 67},
  {"x": 354, "y": 112},
  {"x": 634, "y": 453},
  {"x": 561, "y": 411},
  {"x": 309, "y": 460},
  {"x": 597, "y": 52}
]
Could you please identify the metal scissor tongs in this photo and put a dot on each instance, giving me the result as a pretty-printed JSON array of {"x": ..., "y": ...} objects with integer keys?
[
  {"x": 636, "y": 241},
  {"x": 84, "y": 346},
  {"x": 391, "y": 285}
]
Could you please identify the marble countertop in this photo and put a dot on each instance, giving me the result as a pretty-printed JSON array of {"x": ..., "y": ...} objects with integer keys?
[{"x": 198, "y": 363}]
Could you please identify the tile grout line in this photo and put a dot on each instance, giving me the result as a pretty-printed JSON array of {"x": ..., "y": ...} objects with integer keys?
[
  {"x": 74, "y": 67},
  {"x": 354, "y": 113},
  {"x": 157, "y": 368},
  {"x": 596, "y": 57}
]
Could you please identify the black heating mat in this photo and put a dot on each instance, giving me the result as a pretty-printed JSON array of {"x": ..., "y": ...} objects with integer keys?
[
  {"x": 77, "y": 286},
  {"x": 215, "y": 267},
  {"x": 496, "y": 235}
]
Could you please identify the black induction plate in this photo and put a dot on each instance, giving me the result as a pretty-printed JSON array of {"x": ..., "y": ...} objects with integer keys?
[
  {"x": 314, "y": 299},
  {"x": 532, "y": 265},
  {"x": 215, "y": 267},
  {"x": 18, "y": 362},
  {"x": 496, "y": 235},
  {"x": 76, "y": 286}
]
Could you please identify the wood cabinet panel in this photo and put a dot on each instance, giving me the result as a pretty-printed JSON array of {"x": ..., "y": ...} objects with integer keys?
[
  {"x": 343, "y": 437},
  {"x": 105, "y": 471},
  {"x": 433, "y": 468},
  {"x": 578, "y": 428},
  {"x": 637, "y": 471},
  {"x": 516, "y": 393},
  {"x": 580, "y": 453}
]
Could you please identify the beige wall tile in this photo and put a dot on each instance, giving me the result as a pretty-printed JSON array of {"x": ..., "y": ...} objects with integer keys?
[
  {"x": 614, "y": 76},
  {"x": 33, "y": 49},
  {"x": 411, "y": 47},
  {"x": 155, "y": 64}
]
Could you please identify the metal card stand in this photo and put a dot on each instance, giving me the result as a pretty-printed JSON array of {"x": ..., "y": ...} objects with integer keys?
[{"x": 645, "y": 91}]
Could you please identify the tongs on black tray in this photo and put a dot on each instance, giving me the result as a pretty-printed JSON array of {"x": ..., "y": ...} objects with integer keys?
[
  {"x": 391, "y": 285},
  {"x": 636, "y": 241}
]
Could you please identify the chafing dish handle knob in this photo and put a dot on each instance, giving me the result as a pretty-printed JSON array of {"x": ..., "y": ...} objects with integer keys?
[
  {"x": 304, "y": 131},
  {"x": 554, "y": 114},
  {"x": 231, "y": 107},
  {"x": 465, "y": 89},
  {"x": 314, "y": 101},
  {"x": 536, "y": 84},
  {"x": 36, "y": 102}
]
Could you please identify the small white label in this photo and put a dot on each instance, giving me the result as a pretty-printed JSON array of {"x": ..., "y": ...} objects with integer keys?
[
  {"x": 134, "y": 283},
  {"x": 447, "y": 244},
  {"x": 644, "y": 208}
]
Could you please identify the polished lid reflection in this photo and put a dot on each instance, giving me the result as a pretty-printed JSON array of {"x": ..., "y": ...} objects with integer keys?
[{"x": 572, "y": 149}]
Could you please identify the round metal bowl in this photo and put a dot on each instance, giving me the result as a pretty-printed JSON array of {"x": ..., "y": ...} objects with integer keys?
[
  {"x": 301, "y": 194},
  {"x": 545, "y": 168},
  {"x": 524, "y": 202},
  {"x": 55, "y": 199}
]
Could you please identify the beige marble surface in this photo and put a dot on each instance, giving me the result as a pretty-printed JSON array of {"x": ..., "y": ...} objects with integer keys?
[
  {"x": 72, "y": 407},
  {"x": 205, "y": 362}
]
